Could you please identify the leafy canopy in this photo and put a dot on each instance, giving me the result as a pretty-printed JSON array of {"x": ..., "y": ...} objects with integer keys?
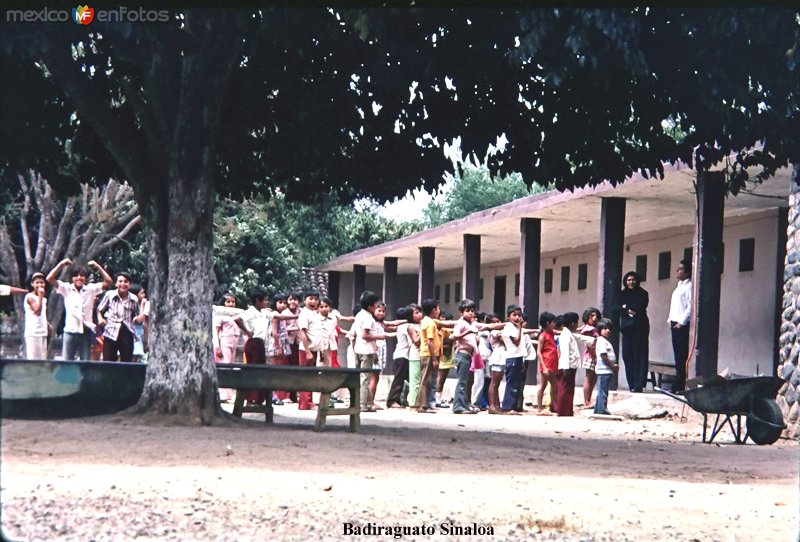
[{"x": 361, "y": 101}]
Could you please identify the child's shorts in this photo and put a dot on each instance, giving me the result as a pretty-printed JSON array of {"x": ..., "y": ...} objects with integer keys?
[{"x": 498, "y": 368}]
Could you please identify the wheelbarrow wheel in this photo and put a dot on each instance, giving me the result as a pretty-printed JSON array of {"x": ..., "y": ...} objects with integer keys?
[{"x": 765, "y": 422}]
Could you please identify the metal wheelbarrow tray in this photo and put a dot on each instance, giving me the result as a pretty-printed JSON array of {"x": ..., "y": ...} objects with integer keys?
[{"x": 735, "y": 396}]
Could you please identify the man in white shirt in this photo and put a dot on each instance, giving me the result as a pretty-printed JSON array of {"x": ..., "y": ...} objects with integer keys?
[
  {"x": 79, "y": 299},
  {"x": 680, "y": 314}
]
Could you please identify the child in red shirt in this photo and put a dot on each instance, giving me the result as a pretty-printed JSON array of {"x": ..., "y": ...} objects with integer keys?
[{"x": 547, "y": 353}]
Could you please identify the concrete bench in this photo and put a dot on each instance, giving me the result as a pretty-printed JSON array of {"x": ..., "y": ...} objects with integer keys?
[
  {"x": 324, "y": 380},
  {"x": 661, "y": 369}
]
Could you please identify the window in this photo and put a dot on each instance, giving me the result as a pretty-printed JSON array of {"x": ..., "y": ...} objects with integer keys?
[
  {"x": 664, "y": 265},
  {"x": 641, "y": 266},
  {"x": 548, "y": 281},
  {"x": 480, "y": 289},
  {"x": 447, "y": 293},
  {"x": 565, "y": 278},
  {"x": 747, "y": 254},
  {"x": 687, "y": 255},
  {"x": 583, "y": 271},
  {"x": 437, "y": 292},
  {"x": 516, "y": 285},
  {"x": 457, "y": 294}
]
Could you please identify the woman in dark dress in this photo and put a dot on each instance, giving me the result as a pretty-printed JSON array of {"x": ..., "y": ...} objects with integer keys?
[{"x": 635, "y": 328}]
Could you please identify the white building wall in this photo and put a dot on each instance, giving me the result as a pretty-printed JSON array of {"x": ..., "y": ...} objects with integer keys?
[{"x": 747, "y": 315}]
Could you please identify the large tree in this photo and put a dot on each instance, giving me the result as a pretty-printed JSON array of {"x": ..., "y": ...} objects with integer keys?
[{"x": 354, "y": 102}]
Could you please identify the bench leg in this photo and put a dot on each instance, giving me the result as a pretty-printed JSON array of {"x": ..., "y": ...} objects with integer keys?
[
  {"x": 355, "y": 404},
  {"x": 268, "y": 408},
  {"x": 238, "y": 403},
  {"x": 322, "y": 411}
]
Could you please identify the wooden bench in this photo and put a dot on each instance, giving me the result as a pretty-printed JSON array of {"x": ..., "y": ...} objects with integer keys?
[
  {"x": 661, "y": 369},
  {"x": 324, "y": 380}
]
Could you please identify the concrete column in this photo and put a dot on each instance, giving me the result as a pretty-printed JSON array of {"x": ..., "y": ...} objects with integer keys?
[
  {"x": 359, "y": 282},
  {"x": 530, "y": 256},
  {"x": 389, "y": 289},
  {"x": 711, "y": 189},
  {"x": 334, "y": 281},
  {"x": 390, "y": 285},
  {"x": 427, "y": 256},
  {"x": 612, "y": 247},
  {"x": 472, "y": 268}
]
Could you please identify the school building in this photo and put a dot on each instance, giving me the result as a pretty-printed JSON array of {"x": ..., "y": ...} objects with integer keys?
[{"x": 566, "y": 251}]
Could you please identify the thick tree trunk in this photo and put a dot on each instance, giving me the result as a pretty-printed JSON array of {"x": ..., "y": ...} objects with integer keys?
[
  {"x": 789, "y": 342},
  {"x": 181, "y": 376}
]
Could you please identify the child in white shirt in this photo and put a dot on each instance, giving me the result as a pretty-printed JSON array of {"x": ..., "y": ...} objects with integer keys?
[{"x": 606, "y": 365}]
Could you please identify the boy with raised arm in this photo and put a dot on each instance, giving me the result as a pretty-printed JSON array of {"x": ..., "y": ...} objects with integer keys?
[{"x": 79, "y": 299}]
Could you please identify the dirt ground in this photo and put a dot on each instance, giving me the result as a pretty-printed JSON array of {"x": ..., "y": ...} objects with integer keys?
[{"x": 522, "y": 477}]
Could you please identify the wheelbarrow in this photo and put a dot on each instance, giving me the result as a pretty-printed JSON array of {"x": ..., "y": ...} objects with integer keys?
[{"x": 734, "y": 396}]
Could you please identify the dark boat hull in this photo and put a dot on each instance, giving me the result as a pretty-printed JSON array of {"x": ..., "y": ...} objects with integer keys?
[{"x": 40, "y": 389}]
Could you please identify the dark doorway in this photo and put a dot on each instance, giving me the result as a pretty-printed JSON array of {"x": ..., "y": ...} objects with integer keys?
[{"x": 500, "y": 296}]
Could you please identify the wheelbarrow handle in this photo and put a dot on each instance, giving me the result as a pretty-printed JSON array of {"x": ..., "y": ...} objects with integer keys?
[{"x": 674, "y": 396}]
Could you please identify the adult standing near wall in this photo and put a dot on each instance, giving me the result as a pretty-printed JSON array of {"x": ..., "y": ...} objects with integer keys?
[
  {"x": 78, "y": 304},
  {"x": 632, "y": 304},
  {"x": 680, "y": 313}
]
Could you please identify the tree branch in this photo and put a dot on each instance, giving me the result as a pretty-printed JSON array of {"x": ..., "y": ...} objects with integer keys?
[
  {"x": 23, "y": 218},
  {"x": 121, "y": 235},
  {"x": 46, "y": 207},
  {"x": 123, "y": 143}
]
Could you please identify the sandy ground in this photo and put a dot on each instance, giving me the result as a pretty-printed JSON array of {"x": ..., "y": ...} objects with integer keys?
[{"x": 524, "y": 477}]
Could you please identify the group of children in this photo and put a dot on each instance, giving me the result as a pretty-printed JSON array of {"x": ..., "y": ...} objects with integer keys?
[
  {"x": 484, "y": 351},
  {"x": 280, "y": 331},
  {"x": 99, "y": 323}
]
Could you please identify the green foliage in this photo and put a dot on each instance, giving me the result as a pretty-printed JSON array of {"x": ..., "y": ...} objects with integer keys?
[
  {"x": 250, "y": 250},
  {"x": 264, "y": 241},
  {"x": 474, "y": 189},
  {"x": 129, "y": 255}
]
